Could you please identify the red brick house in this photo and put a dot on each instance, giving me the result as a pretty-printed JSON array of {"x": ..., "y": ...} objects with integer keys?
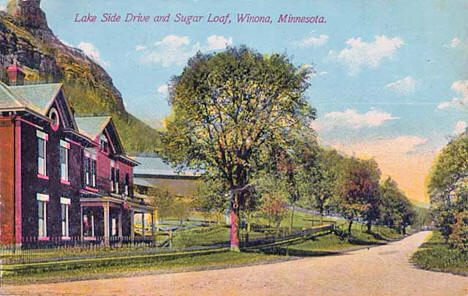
[{"x": 62, "y": 177}]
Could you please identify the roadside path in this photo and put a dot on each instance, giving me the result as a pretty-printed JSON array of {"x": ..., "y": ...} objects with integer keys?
[{"x": 382, "y": 270}]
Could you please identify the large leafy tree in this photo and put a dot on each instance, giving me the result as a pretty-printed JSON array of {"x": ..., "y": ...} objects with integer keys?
[
  {"x": 359, "y": 192},
  {"x": 229, "y": 106},
  {"x": 448, "y": 191},
  {"x": 322, "y": 185},
  {"x": 396, "y": 211}
]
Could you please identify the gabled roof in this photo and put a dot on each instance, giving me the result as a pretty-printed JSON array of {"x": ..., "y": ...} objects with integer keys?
[
  {"x": 92, "y": 126},
  {"x": 38, "y": 97},
  {"x": 7, "y": 99},
  {"x": 155, "y": 166}
]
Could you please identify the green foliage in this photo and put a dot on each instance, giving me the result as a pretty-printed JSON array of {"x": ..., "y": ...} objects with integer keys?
[
  {"x": 397, "y": 212},
  {"x": 169, "y": 205},
  {"x": 436, "y": 255},
  {"x": 229, "y": 105},
  {"x": 211, "y": 197},
  {"x": 448, "y": 191},
  {"x": 423, "y": 217},
  {"x": 323, "y": 184}
]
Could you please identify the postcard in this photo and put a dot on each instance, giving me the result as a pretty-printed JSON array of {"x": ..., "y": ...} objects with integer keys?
[{"x": 206, "y": 147}]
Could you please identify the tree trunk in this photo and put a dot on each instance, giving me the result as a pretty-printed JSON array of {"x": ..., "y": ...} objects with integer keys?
[
  {"x": 234, "y": 230},
  {"x": 234, "y": 235},
  {"x": 349, "y": 227},
  {"x": 321, "y": 213},
  {"x": 369, "y": 226}
]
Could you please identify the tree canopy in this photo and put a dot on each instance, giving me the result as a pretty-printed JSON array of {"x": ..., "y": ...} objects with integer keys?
[{"x": 448, "y": 191}]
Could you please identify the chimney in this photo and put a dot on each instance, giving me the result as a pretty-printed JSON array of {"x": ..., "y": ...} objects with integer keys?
[{"x": 15, "y": 75}]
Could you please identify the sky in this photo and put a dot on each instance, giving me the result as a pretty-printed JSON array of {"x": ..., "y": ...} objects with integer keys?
[{"x": 391, "y": 77}]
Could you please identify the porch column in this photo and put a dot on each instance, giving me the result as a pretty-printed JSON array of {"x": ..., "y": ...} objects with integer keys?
[
  {"x": 143, "y": 224},
  {"x": 81, "y": 223},
  {"x": 152, "y": 225},
  {"x": 105, "y": 206},
  {"x": 132, "y": 225},
  {"x": 120, "y": 224}
]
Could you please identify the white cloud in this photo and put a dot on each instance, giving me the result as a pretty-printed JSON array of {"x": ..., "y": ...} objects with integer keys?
[
  {"x": 90, "y": 50},
  {"x": 455, "y": 42},
  {"x": 218, "y": 42},
  {"x": 352, "y": 119},
  {"x": 173, "y": 41},
  {"x": 313, "y": 41},
  {"x": 460, "y": 127},
  {"x": 403, "y": 86},
  {"x": 461, "y": 88},
  {"x": 176, "y": 50},
  {"x": 140, "y": 47},
  {"x": 359, "y": 54},
  {"x": 163, "y": 89}
]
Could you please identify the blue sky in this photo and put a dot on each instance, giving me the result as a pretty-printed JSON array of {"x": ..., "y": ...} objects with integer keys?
[{"x": 391, "y": 82}]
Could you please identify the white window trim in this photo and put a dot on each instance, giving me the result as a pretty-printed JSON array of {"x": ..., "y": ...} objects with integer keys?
[
  {"x": 67, "y": 202},
  {"x": 42, "y": 197},
  {"x": 44, "y": 137},
  {"x": 45, "y": 199},
  {"x": 65, "y": 145}
]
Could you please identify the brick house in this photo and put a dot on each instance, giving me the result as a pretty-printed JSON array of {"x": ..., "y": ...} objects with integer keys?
[{"x": 62, "y": 177}]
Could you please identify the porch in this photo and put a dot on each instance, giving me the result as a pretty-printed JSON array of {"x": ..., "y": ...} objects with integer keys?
[{"x": 111, "y": 219}]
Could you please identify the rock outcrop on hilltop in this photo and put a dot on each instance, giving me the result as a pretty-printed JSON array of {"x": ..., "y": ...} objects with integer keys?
[{"x": 25, "y": 38}]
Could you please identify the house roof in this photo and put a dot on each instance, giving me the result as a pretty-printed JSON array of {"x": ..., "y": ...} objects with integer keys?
[
  {"x": 155, "y": 166},
  {"x": 8, "y": 99},
  {"x": 38, "y": 97},
  {"x": 92, "y": 126}
]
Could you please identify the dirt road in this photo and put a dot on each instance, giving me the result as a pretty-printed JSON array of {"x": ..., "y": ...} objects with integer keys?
[{"x": 381, "y": 270}]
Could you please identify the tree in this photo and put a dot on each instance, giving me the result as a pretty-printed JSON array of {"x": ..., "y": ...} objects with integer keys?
[
  {"x": 359, "y": 191},
  {"x": 396, "y": 210},
  {"x": 229, "y": 106},
  {"x": 322, "y": 185},
  {"x": 273, "y": 199},
  {"x": 211, "y": 197},
  {"x": 448, "y": 190},
  {"x": 162, "y": 200}
]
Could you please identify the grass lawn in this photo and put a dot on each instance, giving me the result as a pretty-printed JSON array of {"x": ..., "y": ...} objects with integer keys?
[
  {"x": 179, "y": 264},
  {"x": 434, "y": 254}
]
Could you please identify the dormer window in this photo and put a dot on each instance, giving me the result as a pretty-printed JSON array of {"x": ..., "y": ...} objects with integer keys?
[{"x": 104, "y": 144}]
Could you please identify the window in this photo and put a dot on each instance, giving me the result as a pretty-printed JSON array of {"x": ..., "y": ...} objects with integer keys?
[
  {"x": 88, "y": 225},
  {"x": 117, "y": 178},
  {"x": 65, "y": 205},
  {"x": 87, "y": 168},
  {"x": 93, "y": 172},
  {"x": 42, "y": 200},
  {"x": 64, "y": 146},
  {"x": 127, "y": 184},
  {"x": 41, "y": 153},
  {"x": 112, "y": 178},
  {"x": 104, "y": 144}
]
